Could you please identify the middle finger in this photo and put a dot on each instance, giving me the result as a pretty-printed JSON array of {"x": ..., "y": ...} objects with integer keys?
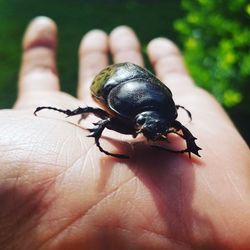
[{"x": 125, "y": 46}]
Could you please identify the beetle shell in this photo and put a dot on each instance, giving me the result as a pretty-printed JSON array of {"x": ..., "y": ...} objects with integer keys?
[
  {"x": 135, "y": 96},
  {"x": 127, "y": 89}
]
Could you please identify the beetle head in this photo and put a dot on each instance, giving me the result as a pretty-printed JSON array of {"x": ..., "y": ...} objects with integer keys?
[{"x": 151, "y": 124}]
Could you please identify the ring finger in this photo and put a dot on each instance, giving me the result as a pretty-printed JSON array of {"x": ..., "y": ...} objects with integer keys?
[
  {"x": 93, "y": 57},
  {"x": 125, "y": 46}
]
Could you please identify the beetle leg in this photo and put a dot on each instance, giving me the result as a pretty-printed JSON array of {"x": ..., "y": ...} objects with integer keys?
[
  {"x": 79, "y": 111},
  {"x": 188, "y": 112},
  {"x": 187, "y": 136},
  {"x": 171, "y": 150},
  {"x": 175, "y": 131},
  {"x": 163, "y": 138},
  {"x": 96, "y": 132}
]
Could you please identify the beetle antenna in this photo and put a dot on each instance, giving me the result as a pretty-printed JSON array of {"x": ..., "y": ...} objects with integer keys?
[
  {"x": 174, "y": 131},
  {"x": 188, "y": 112}
]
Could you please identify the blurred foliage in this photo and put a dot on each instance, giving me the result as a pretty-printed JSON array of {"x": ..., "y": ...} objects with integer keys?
[{"x": 216, "y": 39}]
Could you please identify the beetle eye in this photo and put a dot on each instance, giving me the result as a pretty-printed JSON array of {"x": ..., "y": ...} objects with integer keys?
[{"x": 140, "y": 121}]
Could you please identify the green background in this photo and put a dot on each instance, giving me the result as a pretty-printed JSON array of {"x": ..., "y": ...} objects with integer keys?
[{"x": 74, "y": 18}]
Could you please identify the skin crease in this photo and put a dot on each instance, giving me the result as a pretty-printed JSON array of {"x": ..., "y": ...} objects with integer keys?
[{"x": 57, "y": 191}]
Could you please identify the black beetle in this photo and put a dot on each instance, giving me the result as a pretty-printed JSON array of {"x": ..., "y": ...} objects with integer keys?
[{"x": 134, "y": 102}]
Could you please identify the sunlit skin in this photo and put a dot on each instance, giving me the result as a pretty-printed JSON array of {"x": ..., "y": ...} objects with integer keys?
[{"x": 58, "y": 191}]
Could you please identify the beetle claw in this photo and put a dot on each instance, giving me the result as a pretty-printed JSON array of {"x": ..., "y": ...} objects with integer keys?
[
  {"x": 91, "y": 134},
  {"x": 92, "y": 129},
  {"x": 192, "y": 147}
]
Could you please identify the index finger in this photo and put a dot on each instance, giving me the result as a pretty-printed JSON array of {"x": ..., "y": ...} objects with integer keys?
[
  {"x": 168, "y": 64},
  {"x": 38, "y": 69}
]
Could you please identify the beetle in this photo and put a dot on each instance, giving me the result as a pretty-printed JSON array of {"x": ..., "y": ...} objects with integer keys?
[{"x": 134, "y": 102}]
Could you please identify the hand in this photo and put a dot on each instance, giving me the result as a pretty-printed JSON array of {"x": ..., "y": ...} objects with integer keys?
[{"x": 58, "y": 191}]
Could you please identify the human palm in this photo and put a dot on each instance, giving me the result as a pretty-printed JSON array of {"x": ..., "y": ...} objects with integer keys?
[{"x": 58, "y": 191}]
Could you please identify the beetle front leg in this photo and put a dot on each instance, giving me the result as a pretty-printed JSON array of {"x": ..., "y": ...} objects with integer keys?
[
  {"x": 96, "y": 132},
  {"x": 174, "y": 131},
  {"x": 187, "y": 136},
  {"x": 79, "y": 111}
]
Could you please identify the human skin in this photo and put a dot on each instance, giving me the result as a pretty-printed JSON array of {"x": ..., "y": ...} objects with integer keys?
[{"x": 58, "y": 191}]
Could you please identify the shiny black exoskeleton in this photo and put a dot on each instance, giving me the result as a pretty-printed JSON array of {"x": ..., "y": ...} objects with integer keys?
[{"x": 134, "y": 101}]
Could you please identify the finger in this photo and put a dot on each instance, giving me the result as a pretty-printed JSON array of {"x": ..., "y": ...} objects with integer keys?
[
  {"x": 168, "y": 63},
  {"x": 38, "y": 68},
  {"x": 93, "y": 56},
  {"x": 125, "y": 46}
]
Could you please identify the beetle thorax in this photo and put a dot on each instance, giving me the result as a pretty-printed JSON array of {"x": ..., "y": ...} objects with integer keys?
[{"x": 151, "y": 124}]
